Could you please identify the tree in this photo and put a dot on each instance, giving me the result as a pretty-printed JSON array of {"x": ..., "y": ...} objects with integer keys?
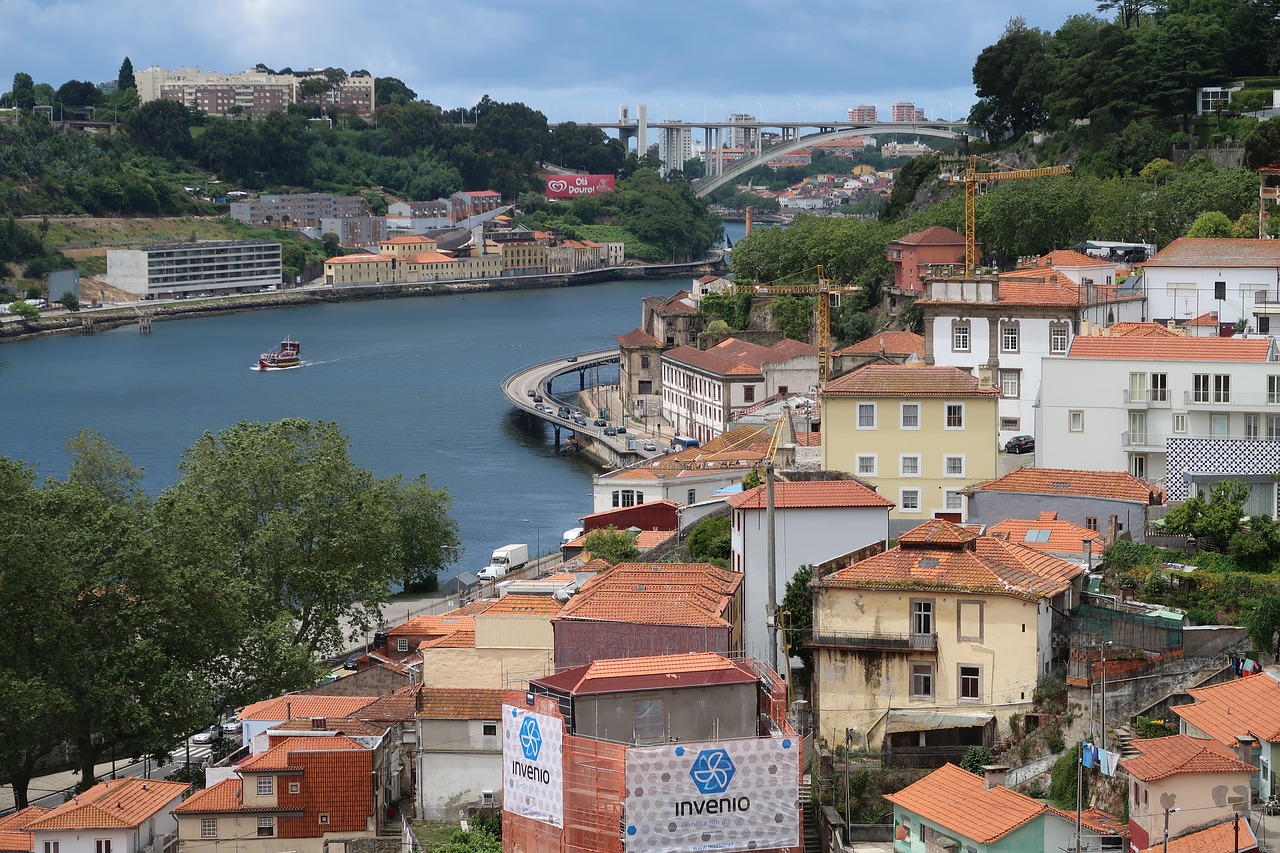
[
  {"x": 1213, "y": 223},
  {"x": 611, "y": 545},
  {"x": 79, "y": 93},
  {"x": 125, "y": 79},
  {"x": 975, "y": 758},
  {"x": 710, "y": 541},
  {"x": 391, "y": 90},
  {"x": 798, "y": 602},
  {"x": 793, "y": 315},
  {"x": 1262, "y": 144},
  {"x": 332, "y": 246},
  {"x": 24, "y": 310},
  {"x": 428, "y": 534},
  {"x": 1214, "y": 520},
  {"x": 161, "y": 127},
  {"x": 23, "y": 92},
  {"x": 1013, "y": 78},
  {"x": 1263, "y": 622},
  {"x": 1129, "y": 12}
]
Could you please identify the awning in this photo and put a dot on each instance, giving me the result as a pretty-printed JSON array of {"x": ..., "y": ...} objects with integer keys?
[{"x": 923, "y": 721}]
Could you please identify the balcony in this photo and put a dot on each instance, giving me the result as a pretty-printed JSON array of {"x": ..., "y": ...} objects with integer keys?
[
  {"x": 1266, "y": 302},
  {"x": 1148, "y": 442},
  {"x": 871, "y": 641},
  {"x": 1146, "y": 398},
  {"x": 1232, "y": 399}
]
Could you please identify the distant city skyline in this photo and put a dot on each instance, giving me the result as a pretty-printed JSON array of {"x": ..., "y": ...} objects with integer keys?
[{"x": 575, "y": 60}]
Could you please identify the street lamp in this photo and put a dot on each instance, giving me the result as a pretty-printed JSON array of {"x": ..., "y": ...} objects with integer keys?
[
  {"x": 1167, "y": 812},
  {"x": 538, "y": 541}
]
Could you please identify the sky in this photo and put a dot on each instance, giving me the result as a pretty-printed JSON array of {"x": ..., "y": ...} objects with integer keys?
[{"x": 572, "y": 60}]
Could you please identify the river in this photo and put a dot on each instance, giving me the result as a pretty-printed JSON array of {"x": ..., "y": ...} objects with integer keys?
[{"x": 412, "y": 382}]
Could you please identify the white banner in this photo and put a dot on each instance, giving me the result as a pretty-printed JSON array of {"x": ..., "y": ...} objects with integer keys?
[
  {"x": 533, "y": 780},
  {"x": 727, "y": 795}
]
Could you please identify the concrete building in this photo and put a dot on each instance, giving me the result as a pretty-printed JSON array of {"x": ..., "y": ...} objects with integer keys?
[
  {"x": 1113, "y": 503},
  {"x": 863, "y": 113},
  {"x": 459, "y": 766},
  {"x": 928, "y": 648},
  {"x": 814, "y": 521},
  {"x": 912, "y": 255},
  {"x": 674, "y": 320},
  {"x": 489, "y": 644},
  {"x": 1184, "y": 411},
  {"x": 297, "y": 210},
  {"x": 182, "y": 269},
  {"x": 1237, "y": 278},
  {"x": 354, "y": 231},
  {"x": 250, "y": 93},
  {"x": 905, "y": 111},
  {"x": 640, "y": 372},
  {"x": 128, "y": 815},
  {"x": 675, "y": 147},
  {"x": 918, "y": 433}
]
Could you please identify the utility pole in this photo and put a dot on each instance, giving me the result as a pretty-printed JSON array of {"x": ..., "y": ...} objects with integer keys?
[
  {"x": 772, "y": 566},
  {"x": 1103, "y": 701},
  {"x": 1167, "y": 812},
  {"x": 1079, "y": 793},
  {"x": 848, "y": 740}
]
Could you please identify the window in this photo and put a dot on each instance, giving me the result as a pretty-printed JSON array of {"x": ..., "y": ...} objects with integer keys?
[
  {"x": 1010, "y": 424},
  {"x": 911, "y": 416},
  {"x": 266, "y": 784},
  {"x": 644, "y": 362},
  {"x": 1222, "y": 388},
  {"x": 1138, "y": 466},
  {"x": 867, "y": 464},
  {"x": 490, "y": 730},
  {"x": 402, "y": 644},
  {"x": 1200, "y": 387},
  {"x": 748, "y": 393},
  {"x": 1058, "y": 339},
  {"x": 102, "y": 845},
  {"x": 324, "y": 818},
  {"x": 1075, "y": 421},
  {"x": 909, "y": 500},
  {"x": 969, "y": 624},
  {"x": 208, "y": 827},
  {"x": 1273, "y": 427},
  {"x": 953, "y": 466},
  {"x": 959, "y": 337},
  {"x": 295, "y": 787},
  {"x": 970, "y": 682},
  {"x": 955, "y": 416},
  {"x": 866, "y": 416},
  {"x": 650, "y": 720},
  {"x": 1179, "y": 421},
  {"x": 921, "y": 681},
  {"x": 922, "y": 616},
  {"x": 1273, "y": 390},
  {"x": 910, "y": 465},
  {"x": 1091, "y": 522},
  {"x": 1218, "y": 426},
  {"x": 691, "y": 496},
  {"x": 952, "y": 501},
  {"x": 1009, "y": 337},
  {"x": 1159, "y": 387},
  {"x": 266, "y": 827},
  {"x": 1219, "y": 290},
  {"x": 51, "y": 847},
  {"x": 1009, "y": 383}
]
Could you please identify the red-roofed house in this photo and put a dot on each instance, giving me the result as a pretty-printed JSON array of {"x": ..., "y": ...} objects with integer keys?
[
  {"x": 120, "y": 816},
  {"x": 1048, "y": 533},
  {"x": 1228, "y": 836},
  {"x": 1109, "y": 502},
  {"x": 892, "y": 347},
  {"x": 459, "y": 762},
  {"x": 703, "y": 390},
  {"x": 1235, "y": 277},
  {"x": 913, "y": 253},
  {"x": 1199, "y": 780},
  {"x": 487, "y": 643},
  {"x": 814, "y": 521},
  {"x": 258, "y": 718},
  {"x": 303, "y": 794},
  {"x": 1180, "y": 410},
  {"x": 14, "y": 835},
  {"x": 930, "y": 646},
  {"x": 1244, "y": 716},
  {"x": 673, "y": 320}
]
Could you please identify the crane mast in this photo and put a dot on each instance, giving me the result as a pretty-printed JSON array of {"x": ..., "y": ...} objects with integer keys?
[{"x": 973, "y": 181}]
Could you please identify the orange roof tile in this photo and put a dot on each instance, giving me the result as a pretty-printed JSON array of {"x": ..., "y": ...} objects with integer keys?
[
  {"x": 119, "y": 804},
  {"x": 934, "y": 235},
  {"x": 361, "y": 258},
  {"x": 462, "y": 639},
  {"x": 349, "y": 726},
  {"x": 960, "y": 801},
  {"x": 225, "y": 796},
  {"x": 392, "y": 708},
  {"x": 525, "y": 605},
  {"x": 1049, "y": 533},
  {"x": 734, "y": 357},
  {"x": 645, "y": 608},
  {"x": 1209, "y": 318},
  {"x": 1217, "y": 252},
  {"x": 889, "y": 343},
  {"x": 943, "y": 556},
  {"x": 662, "y": 594},
  {"x": 1103, "y": 823},
  {"x": 742, "y": 448},
  {"x": 907, "y": 380},
  {"x": 1118, "y": 485},
  {"x": 1172, "y": 349},
  {"x": 14, "y": 835},
  {"x": 457, "y": 703},
  {"x": 1246, "y": 706},
  {"x": 1161, "y": 757},
  {"x": 1229, "y": 836},
  {"x": 647, "y": 673},
  {"x": 1138, "y": 330},
  {"x": 816, "y": 494},
  {"x": 638, "y": 338},
  {"x": 407, "y": 240},
  {"x": 295, "y": 705},
  {"x": 281, "y": 756},
  {"x": 1071, "y": 258}
]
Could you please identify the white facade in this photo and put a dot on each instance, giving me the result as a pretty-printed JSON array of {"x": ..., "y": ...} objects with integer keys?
[
  {"x": 1236, "y": 278},
  {"x": 633, "y": 486},
  {"x": 215, "y": 266},
  {"x": 802, "y": 536},
  {"x": 1125, "y": 414},
  {"x": 458, "y": 762}
]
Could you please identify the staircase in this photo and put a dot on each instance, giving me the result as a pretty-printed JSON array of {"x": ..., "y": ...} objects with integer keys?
[
  {"x": 812, "y": 840},
  {"x": 1121, "y": 741}
]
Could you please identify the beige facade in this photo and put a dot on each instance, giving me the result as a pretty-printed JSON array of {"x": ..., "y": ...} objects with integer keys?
[
  {"x": 508, "y": 648},
  {"x": 248, "y": 93},
  {"x": 409, "y": 269},
  {"x": 218, "y": 833},
  {"x": 1200, "y": 797}
]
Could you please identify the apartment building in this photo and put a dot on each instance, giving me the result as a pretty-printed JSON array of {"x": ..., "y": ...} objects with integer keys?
[
  {"x": 297, "y": 210},
  {"x": 1237, "y": 278},
  {"x": 905, "y": 111},
  {"x": 250, "y": 93},
  {"x": 863, "y": 113},
  {"x": 213, "y": 266},
  {"x": 912, "y": 255}
]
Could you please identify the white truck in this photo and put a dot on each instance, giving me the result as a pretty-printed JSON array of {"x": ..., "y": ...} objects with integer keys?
[{"x": 506, "y": 559}]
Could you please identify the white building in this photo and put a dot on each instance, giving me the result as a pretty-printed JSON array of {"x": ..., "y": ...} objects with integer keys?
[
  {"x": 459, "y": 753},
  {"x": 119, "y": 816},
  {"x": 1009, "y": 325},
  {"x": 813, "y": 522},
  {"x": 703, "y": 390},
  {"x": 1179, "y": 410},
  {"x": 213, "y": 266},
  {"x": 1237, "y": 278}
]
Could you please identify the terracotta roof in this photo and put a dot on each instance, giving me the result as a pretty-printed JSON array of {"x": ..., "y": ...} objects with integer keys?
[
  {"x": 360, "y": 258},
  {"x": 816, "y": 494},
  {"x": 889, "y": 343},
  {"x": 1140, "y": 330},
  {"x": 960, "y": 802},
  {"x": 407, "y": 240},
  {"x": 119, "y": 804},
  {"x": 1245, "y": 706},
  {"x": 1071, "y": 258},
  {"x": 1103, "y": 823},
  {"x": 656, "y": 594},
  {"x": 281, "y": 756},
  {"x": 459, "y": 703},
  {"x": 734, "y": 357},
  {"x": 428, "y": 258},
  {"x": 14, "y": 835},
  {"x": 740, "y": 448},
  {"x": 1209, "y": 319},
  {"x": 638, "y": 338},
  {"x": 939, "y": 555},
  {"x": 349, "y": 726},
  {"x": 1217, "y": 252},
  {"x": 1118, "y": 485},
  {"x": 225, "y": 796},
  {"x": 460, "y": 639},
  {"x": 618, "y": 675},
  {"x": 1219, "y": 838},
  {"x": 397, "y": 707},
  {"x": 1049, "y": 533},
  {"x": 1172, "y": 349},
  {"x": 907, "y": 380},
  {"x": 295, "y": 705},
  {"x": 934, "y": 235},
  {"x": 525, "y": 605},
  {"x": 644, "y": 608},
  {"x": 1161, "y": 757}
]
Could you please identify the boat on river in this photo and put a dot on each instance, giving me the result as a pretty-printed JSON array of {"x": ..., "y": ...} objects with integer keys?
[{"x": 288, "y": 356}]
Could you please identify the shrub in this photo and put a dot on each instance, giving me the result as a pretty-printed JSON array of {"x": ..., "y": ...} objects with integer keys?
[
  {"x": 1062, "y": 780},
  {"x": 975, "y": 758},
  {"x": 1054, "y": 739}
]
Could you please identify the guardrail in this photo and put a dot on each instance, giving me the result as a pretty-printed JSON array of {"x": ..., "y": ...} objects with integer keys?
[{"x": 873, "y": 640}]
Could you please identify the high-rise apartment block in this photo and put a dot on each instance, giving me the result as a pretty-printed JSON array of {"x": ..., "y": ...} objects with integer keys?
[
  {"x": 251, "y": 93},
  {"x": 863, "y": 112},
  {"x": 905, "y": 111}
]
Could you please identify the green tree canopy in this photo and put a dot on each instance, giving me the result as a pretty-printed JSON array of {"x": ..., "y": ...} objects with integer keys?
[
  {"x": 125, "y": 79},
  {"x": 1213, "y": 223},
  {"x": 710, "y": 541},
  {"x": 1214, "y": 520},
  {"x": 798, "y": 602},
  {"x": 611, "y": 545}
]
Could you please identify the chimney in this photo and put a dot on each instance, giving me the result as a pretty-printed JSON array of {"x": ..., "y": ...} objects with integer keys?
[
  {"x": 993, "y": 775},
  {"x": 1088, "y": 553},
  {"x": 318, "y": 723}
]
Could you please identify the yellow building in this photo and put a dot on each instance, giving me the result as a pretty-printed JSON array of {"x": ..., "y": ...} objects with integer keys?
[
  {"x": 919, "y": 433},
  {"x": 407, "y": 244},
  {"x": 932, "y": 645}
]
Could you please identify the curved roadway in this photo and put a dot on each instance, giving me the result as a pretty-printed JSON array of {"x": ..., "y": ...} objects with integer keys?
[{"x": 538, "y": 377}]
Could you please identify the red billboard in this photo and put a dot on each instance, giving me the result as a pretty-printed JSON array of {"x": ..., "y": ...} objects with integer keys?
[{"x": 568, "y": 186}]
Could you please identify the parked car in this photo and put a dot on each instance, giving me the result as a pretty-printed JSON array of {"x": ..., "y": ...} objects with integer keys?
[
  {"x": 231, "y": 727},
  {"x": 1020, "y": 444},
  {"x": 208, "y": 735},
  {"x": 353, "y": 662},
  {"x": 650, "y": 446}
]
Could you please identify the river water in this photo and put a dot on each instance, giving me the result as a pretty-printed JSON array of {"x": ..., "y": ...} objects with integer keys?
[{"x": 412, "y": 382}]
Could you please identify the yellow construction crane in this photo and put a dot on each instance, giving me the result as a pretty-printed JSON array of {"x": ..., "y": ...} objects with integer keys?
[
  {"x": 973, "y": 181},
  {"x": 823, "y": 290}
]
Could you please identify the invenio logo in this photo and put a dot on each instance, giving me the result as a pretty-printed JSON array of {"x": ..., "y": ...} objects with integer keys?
[
  {"x": 531, "y": 746},
  {"x": 712, "y": 772}
]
